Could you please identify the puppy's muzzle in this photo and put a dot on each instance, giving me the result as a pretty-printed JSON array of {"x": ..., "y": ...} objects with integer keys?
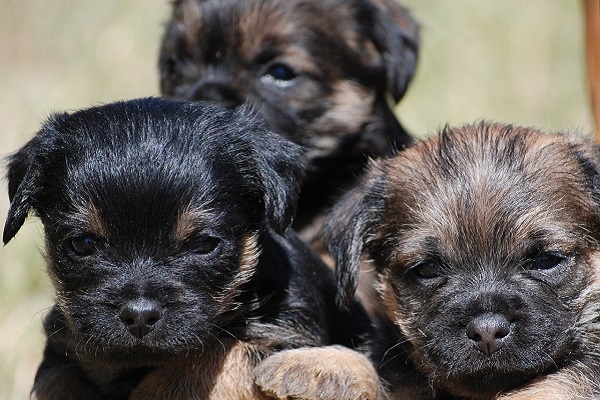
[
  {"x": 218, "y": 92},
  {"x": 140, "y": 316},
  {"x": 489, "y": 317},
  {"x": 488, "y": 331}
]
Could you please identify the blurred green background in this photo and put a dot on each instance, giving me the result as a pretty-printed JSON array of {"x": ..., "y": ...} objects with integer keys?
[{"x": 511, "y": 60}]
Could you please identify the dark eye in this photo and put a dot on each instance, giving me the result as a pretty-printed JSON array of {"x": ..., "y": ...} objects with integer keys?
[
  {"x": 426, "y": 270},
  {"x": 281, "y": 72},
  {"x": 544, "y": 261},
  {"x": 203, "y": 244},
  {"x": 82, "y": 246}
]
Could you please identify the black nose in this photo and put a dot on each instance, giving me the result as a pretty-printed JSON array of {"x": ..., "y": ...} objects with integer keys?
[
  {"x": 140, "y": 316},
  {"x": 488, "y": 331},
  {"x": 219, "y": 93}
]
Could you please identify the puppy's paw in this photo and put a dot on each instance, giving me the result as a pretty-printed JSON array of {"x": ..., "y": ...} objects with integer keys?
[
  {"x": 321, "y": 373},
  {"x": 568, "y": 384}
]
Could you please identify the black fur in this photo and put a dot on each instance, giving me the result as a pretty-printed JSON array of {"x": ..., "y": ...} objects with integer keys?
[{"x": 151, "y": 205}]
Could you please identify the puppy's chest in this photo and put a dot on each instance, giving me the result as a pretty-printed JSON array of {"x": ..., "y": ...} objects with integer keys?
[{"x": 225, "y": 372}]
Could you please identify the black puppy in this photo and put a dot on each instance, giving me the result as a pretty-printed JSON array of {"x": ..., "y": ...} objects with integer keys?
[
  {"x": 167, "y": 244},
  {"x": 323, "y": 73}
]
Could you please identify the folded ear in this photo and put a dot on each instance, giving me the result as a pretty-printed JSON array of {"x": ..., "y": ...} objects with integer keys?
[
  {"x": 22, "y": 184},
  {"x": 25, "y": 170},
  {"x": 348, "y": 229},
  {"x": 588, "y": 156},
  {"x": 396, "y": 35},
  {"x": 279, "y": 169}
]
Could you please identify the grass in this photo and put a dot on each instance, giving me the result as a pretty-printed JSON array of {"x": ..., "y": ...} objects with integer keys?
[{"x": 509, "y": 61}]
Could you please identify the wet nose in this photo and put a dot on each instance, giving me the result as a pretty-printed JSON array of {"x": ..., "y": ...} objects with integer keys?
[
  {"x": 140, "y": 316},
  {"x": 488, "y": 332}
]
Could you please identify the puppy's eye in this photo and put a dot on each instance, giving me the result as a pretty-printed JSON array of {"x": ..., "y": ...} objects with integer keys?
[
  {"x": 82, "y": 246},
  {"x": 280, "y": 72},
  {"x": 544, "y": 261},
  {"x": 203, "y": 244},
  {"x": 426, "y": 270}
]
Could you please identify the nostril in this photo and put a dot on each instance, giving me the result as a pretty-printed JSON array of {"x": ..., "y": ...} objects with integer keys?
[
  {"x": 153, "y": 320},
  {"x": 140, "y": 316},
  {"x": 473, "y": 336},
  {"x": 488, "y": 332},
  {"x": 126, "y": 319},
  {"x": 503, "y": 331}
]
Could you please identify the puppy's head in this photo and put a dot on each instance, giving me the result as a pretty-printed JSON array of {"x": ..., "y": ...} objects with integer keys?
[
  {"x": 486, "y": 240},
  {"x": 319, "y": 71},
  {"x": 152, "y": 212}
]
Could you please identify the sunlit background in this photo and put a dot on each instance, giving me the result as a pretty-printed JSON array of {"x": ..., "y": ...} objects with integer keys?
[{"x": 510, "y": 60}]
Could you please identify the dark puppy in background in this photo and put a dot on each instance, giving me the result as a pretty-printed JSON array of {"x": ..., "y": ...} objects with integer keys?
[
  {"x": 486, "y": 241},
  {"x": 323, "y": 73},
  {"x": 167, "y": 244}
]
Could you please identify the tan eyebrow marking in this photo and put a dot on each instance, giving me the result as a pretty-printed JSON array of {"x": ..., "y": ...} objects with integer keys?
[
  {"x": 190, "y": 219},
  {"x": 89, "y": 218},
  {"x": 248, "y": 261},
  {"x": 96, "y": 223}
]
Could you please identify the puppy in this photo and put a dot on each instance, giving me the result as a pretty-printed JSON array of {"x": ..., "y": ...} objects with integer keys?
[
  {"x": 486, "y": 241},
  {"x": 167, "y": 243},
  {"x": 323, "y": 73}
]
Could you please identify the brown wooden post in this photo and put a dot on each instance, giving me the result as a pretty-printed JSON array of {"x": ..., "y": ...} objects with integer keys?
[{"x": 592, "y": 17}]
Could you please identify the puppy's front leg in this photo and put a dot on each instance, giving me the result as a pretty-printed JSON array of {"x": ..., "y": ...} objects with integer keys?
[
  {"x": 224, "y": 373},
  {"x": 321, "y": 373},
  {"x": 59, "y": 376},
  {"x": 578, "y": 382},
  {"x": 58, "y": 381}
]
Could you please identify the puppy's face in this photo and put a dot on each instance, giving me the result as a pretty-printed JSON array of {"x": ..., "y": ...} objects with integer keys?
[
  {"x": 486, "y": 242},
  {"x": 316, "y": 70},
  {"x": 152, "y": 212}
]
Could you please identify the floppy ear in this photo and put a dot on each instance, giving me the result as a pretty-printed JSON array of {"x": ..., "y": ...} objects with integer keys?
[
  {"x": 588, "y": 156},
  {"x": 25, "y": 170},
  {"x": 22, "y": 184},
  {"x": 348, "y": 228},
  {"x": 396, "y": 35},
  {"x": 279, "y": 167}
]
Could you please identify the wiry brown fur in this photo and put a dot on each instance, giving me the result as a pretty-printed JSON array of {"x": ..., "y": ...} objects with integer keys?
[
  {"x": 348, "y": 62},
  {"x": 325, "y": 373},
  {"x": 227, "y": 372},
  {"x": 487, "y": 225}
]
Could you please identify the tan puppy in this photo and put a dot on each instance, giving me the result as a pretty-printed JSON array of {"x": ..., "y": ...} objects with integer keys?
[{"x": 486, "y": 240}]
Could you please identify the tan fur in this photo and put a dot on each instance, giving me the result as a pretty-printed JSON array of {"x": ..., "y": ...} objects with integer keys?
[
  {"x": 247, "y": 268},
  {"x": 574, "y": 382},
  {"x": 264, "y": 21},
  {"x": 189, "y": 17},
  {"x": 90, "y": 219},
  {"x": 224, "y": 373},
  {"x": 326, "y": 373},
  {"x": 97, "y": 226},
  {"x": 471, "y": 202},
  {"x": 348, "y": 112},
  {"x": 190, "y": 221},
  {"x": 567, "y": 384}
]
